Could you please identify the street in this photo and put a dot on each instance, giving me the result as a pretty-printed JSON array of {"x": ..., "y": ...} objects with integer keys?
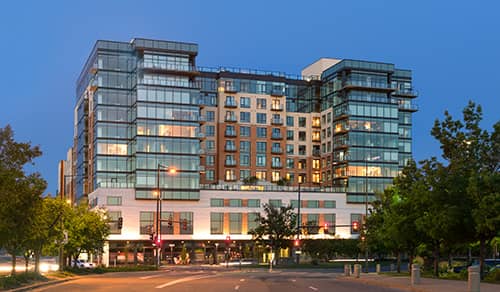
[{"x": 214, "y": 280}]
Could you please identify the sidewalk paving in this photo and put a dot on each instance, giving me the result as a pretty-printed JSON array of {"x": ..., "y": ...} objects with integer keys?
[{"x": 426, "y": 284}]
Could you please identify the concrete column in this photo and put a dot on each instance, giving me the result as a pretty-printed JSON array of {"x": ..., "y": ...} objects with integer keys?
[
  {"x": 357, "y": 270},
  {"x": 415, "y": 274},
  {"x": 347, "y": 270},
  {"x": 378, "y": 269},
  {"x": 105, "y": 254},
  {"x": 474, "y": 280}
]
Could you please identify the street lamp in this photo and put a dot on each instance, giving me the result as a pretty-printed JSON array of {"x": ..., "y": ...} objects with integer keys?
[
  {"x": 159, "y": 208},
  {"x": 366, "y": 207},
  {"x": 298, "y": 222}
]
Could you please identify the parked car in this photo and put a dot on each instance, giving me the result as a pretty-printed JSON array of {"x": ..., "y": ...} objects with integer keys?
[{"x": 83, "y": 264}]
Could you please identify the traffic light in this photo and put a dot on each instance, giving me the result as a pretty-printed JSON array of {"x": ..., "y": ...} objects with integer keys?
[
  {"x": 158, "y": 241},
  {"x": 325, "y": 228},
  {"x": 355, "y": 226},
  {"x": 120, "y": 222},
  {"x": 228, "y": 240},
  {"x": 296, "y": 242},
  {"x": 184, "y": 224}
]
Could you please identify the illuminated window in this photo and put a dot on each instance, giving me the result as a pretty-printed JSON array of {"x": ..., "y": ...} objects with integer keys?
[
  {"x": 316, "y": 164},
  {"x": 275, "y": 176},
  {"x": 260, "y": 175},
  {"x": 112, "y": 149}
]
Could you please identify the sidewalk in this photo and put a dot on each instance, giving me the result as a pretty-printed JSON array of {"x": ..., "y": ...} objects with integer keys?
[{"x": 426, "y": 284}]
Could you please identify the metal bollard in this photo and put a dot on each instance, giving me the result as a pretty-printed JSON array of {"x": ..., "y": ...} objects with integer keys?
[
  {"x": 378, "y": 269},
  {"x": 415, "y": 274},
  {"x": 347, "y": 270},
  {"x": 473, "y": 283},
  {"x": 357, "y": 270}
]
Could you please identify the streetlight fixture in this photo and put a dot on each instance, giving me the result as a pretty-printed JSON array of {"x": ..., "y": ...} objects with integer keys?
[
  {"x": 366, "y": 207},
  {"x": 159, "y": 200}
]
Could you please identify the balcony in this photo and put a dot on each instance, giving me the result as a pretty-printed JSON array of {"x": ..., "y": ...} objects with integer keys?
[
  {"x": 230, "y": 148},
  {"x": 376, "y": 86},
  {"x": 200, "y": 135},
  {"x": 230, "y": 119},
  {"x": 229, "y": 162},
  {"x": 276, "y": 121},
  {"x": 175, "y": 68},
  {"x": 277, "y": 165},
  {"x": 202, "y": 119},
  {"x": 230, "y": 133},
  {"x": 230, "y": 178},
  {"x": 230, "y": 104},
  {"x": 230, "y": 89},
  {"x": 316, "y": 153},
  {"x": 406, "y": 92},
  {"x": 409, "y": 107},
  {"x": 277, "y": 107},
  {"x": 276, "y": 150},
  {"x": 316, "y": 138},
  {"x": 276, "y": 136},
  {"x": 278, "y": 92}
]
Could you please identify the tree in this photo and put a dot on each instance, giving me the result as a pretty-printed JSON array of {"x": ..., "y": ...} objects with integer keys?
[
  {"x": 277, "y": 226},
  {"x": 87, "y": 231},
  {"x": 473, "y": 157},
  {"x": 20, "y": 194}
]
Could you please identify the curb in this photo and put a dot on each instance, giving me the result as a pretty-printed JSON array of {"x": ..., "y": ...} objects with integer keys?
[
  {"x": 407, "y": 287},
  {"x": 42, "y": 284}
]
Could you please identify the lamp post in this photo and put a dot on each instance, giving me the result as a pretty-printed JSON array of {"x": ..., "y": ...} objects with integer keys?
[
  {"x": 159, "y": 209},
  {"x": 216, "y": 261},
  {"x": 298, "y": 222},
  {"x": 366, "y": 207}
]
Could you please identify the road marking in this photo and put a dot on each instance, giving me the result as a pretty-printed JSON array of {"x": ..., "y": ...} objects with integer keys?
[
  {"x": 242, "y": 280},
  {"x": 293, "y": 280},
  {"x": 236, "y": 287},
  {"x": 313, "y": 288},
  {"x": 149, "y": 277},
  {"x": 187, "y": 279}
]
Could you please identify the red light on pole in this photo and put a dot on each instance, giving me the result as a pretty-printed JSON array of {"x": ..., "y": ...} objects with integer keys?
[
  {"x": 296, "y": 242},
  {"x": 355, "y": 226}
]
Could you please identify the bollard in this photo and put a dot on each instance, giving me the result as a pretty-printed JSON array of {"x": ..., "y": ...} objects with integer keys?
[
  {"x": 357, "y": 269},
  {"x": 473, "y": 282},
  {"x": 392, "y": 267},
  {"x": 378, "y": 268},
  {"x": 415, "y": 274},
  {"x": 347, "y": 270}
]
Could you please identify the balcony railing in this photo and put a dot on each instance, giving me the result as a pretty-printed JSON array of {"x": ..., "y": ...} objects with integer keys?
[
  {"x": 230, "y": 148},
  {"x": 230, "y": 103},
  {"x": 276, "y": 150},
  {"x": 230, "y": 119},
  {"x": 275, "y": 121},
  {"x": 230, "y": 162},
  {"x": 277, "y": 165},
  {"x": 277, "y": 107},
  {"x": 230, "y": 133},
  {"x": 276, "y": 136},
  {"x": 408, "y": 107},
  {"x": 367, "y": 84}
]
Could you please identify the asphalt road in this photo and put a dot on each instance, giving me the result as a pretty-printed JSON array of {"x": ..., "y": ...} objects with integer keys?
[{"x": 214, "y": 280}]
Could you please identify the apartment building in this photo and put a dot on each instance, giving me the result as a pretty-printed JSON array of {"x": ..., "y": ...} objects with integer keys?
[{"x": 235, "y": 138}]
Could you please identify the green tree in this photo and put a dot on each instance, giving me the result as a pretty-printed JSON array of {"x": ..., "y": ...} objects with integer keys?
[
  {"x": 20, "y": 193},
  {"x": 473, "y": 157},
  {"x": 277, "y": 226}
]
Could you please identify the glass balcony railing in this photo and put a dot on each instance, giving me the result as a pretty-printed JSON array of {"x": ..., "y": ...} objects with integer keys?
[
  {"x": 230, "y": 119},
  {"x": 276, "y": 150},
  {"x": 369, "y": 84},
  {"x": 230, "y": 103},
  {"x": 230, "y": 148},
  {"x": 276, "y": 121},
  {"x": 276, "y": 136},
  {"x": 230, "y": 162},
  {"x": 230, "y": 133}
]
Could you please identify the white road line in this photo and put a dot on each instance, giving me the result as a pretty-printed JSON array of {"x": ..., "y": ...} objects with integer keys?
[
  {"x": 293, "y": 280},
  {"x": 242, "y": 280},
  {"x": 149, "y": 277},
  {"x": 187, "y": 279},
  {"x": 236, "y": 287},
  {"x": 313, "y": 288}
]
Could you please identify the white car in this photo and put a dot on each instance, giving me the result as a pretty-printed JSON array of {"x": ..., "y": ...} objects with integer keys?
[{"x": 82, "y": 264}]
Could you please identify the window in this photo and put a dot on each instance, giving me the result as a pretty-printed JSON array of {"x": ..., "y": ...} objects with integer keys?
[
  {"x": 244, "y": 131},
  {"x": 302, "y": 136},
  {"x": 261, "y": 147},
  {"x": 276, "y": 133},
  {"x": 356, "y": 218},
  {"x": 209, "y": 131},
  {"x": 113, "y": 200},
  {"x": 234, "y": 202},
  {"x": 312, "y": 204},
  {"x": 229, "y": 175},
  {"x": 186, "y": 222},
  {"x": 261, "y": 132},
  {"x": 302, "y": 149},
  {"x": 244, "y": 160},
  {"x": 294, "y": 203},
  {"x": 235, "y": 223},
  {"x": 289, "y": 121},
  {"x": 244, "y": 146},
  {"x": 210, "y": 116},
  {"x": 167, "y": 226},
  {"x": 275, "y": 175},
  {"x": 245, "y": 102},
  {"x": 260, "y": 175},
  {"x": 230, "y": 101},
  {"x": 210, "y": 174},
  {"x": 313, "y": 221},
  {"x": 261, "y": 103},
  {"x": 216, "y": 202},
  {"x": 210, "y": 145},
  {"x": 244, "y": 173},
  {"x": 302, "y": 121},
  {"x": 261, "y": 160},
  {"x": 244, "y": 117},
  {"x": 230, "y": 145},
  {"x": 330, "y": 204},
  {"x": 146, "y": 222},
  {"x": 253, "y": 203},
  {"x": 261, "y": 118},
  {"x": 276, "y": 162},
  {"x": 216, "y": 223},
  {"x": 289, "y": 135},
  {"x": 253, "y": 221},
  {"x": 289, "y": 163},
  {"x": 330, "y": 221},
  {"x": 113, "y": 221},
  {"x": 275, "y": 203},
  {"x": 210, "y": 160}
]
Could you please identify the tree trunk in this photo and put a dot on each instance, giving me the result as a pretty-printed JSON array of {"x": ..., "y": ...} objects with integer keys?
[
  {"x": 436, "y": 260},
  {"x": 399, "y": 262},
  {"x": 26, "y": 262},
  {"x": 13, "y": 258},
  {"x": 482, "y": 253},
  {"x": 37, "y": 260},
  {"x": 410, "y": 262}
]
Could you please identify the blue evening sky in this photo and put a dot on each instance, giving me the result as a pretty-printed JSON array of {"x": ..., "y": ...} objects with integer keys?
[{"x": 453, "y": 48}]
